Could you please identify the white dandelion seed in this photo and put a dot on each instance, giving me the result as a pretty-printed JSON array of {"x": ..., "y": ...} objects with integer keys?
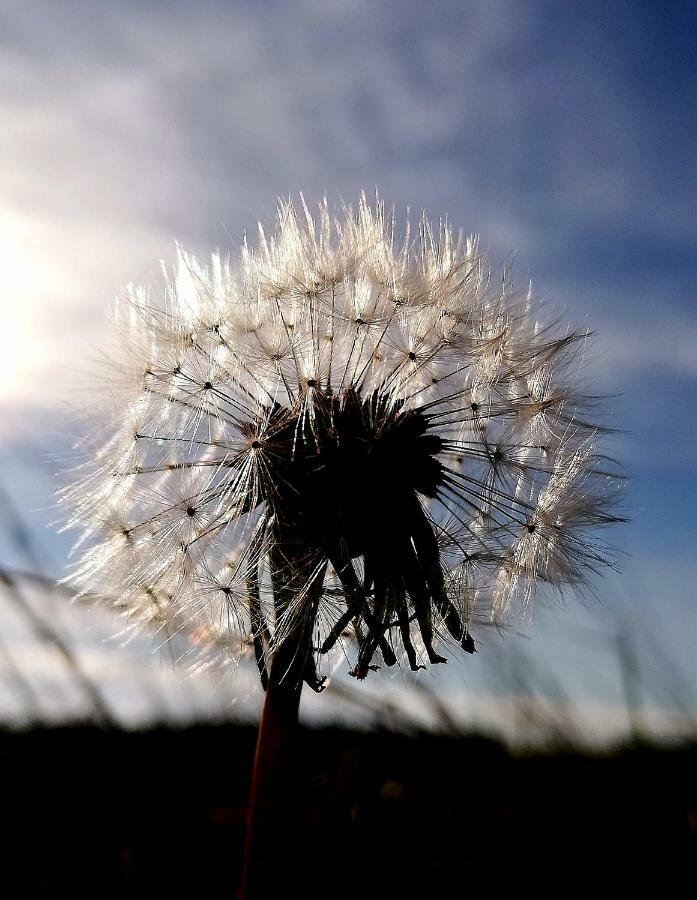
[{"x": 346, "y": 444}]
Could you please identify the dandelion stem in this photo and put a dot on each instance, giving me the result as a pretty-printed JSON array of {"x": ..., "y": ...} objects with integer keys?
[{"x": 271, "y": 804}]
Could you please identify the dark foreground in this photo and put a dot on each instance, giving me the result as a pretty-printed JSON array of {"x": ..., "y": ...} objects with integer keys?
[{"x": 88, "y": 813}]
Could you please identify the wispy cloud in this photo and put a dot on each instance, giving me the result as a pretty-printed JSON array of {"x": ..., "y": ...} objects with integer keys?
[{"x": 132, "y": 125}]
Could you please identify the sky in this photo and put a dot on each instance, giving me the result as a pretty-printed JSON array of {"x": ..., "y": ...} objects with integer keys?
[{"x": 563, "y": 133}]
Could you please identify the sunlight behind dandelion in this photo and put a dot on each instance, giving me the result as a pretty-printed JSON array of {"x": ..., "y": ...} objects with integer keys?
[{"x": 23, "y": 281}]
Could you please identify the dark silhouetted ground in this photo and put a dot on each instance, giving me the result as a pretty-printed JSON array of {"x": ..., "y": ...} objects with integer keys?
[{"x": 99, "y": 814}]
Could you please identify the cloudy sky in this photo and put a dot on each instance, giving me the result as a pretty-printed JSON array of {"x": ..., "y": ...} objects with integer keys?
[{"x": 562, "y": 132}]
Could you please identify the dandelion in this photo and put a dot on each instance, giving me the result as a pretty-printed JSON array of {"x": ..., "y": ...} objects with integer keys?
[{"x": 347, "y": 445}]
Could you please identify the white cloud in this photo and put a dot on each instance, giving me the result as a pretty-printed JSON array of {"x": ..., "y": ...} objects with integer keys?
[{"x": 141, "y": 128}]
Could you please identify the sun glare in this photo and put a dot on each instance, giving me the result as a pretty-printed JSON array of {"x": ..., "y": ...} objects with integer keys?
[{"x": 21, "y": 280}]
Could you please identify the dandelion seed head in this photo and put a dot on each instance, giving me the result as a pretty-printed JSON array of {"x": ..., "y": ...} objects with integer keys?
[{"x": 347, "y": 443}]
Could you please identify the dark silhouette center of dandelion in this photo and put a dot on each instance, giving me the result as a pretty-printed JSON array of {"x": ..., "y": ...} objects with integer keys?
[
  {"x": 351, "y": 489},
  {"x": 353, "y": 478}
]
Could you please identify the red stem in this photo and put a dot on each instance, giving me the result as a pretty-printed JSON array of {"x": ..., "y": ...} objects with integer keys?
[{"x": 269, "y": 814}]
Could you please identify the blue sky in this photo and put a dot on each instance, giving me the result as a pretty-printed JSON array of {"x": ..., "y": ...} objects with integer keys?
[{"x": 561, "y": 131}]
